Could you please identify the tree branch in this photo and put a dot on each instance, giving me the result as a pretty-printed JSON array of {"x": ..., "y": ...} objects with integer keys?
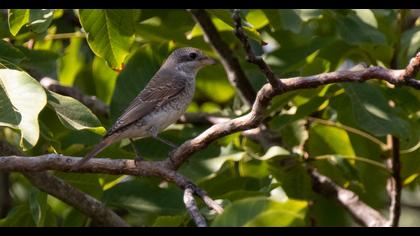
[
  {"x": 193, "y": 209},
  {"x": 412, "y": 68},
  {"x": 96, "y": 105},
  {"x": 167, "y": 169},
  {"x": 76, "y": 198},
  {"x": 361, "y": 212},
  {"x": 264, "y": 96},
  {"x": 65, "y": 192},
  {"x": 251, "y": 57},
  {"x": 394, "y": 183},
  {"x": 103, "y": 165},
  {"x": 236, "y": 75}
]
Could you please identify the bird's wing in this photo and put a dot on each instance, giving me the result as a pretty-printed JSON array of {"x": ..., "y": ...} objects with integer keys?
[{"x": 161, "y": 89}]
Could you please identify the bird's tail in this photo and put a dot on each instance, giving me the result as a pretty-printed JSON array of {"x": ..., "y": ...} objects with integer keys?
[{"x": 97, "y": 149}]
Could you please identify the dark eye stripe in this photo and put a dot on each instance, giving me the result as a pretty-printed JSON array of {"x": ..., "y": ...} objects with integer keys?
[{"x": 185, "y": 58}]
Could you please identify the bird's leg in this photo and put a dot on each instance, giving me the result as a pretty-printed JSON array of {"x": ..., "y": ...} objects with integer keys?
[
  {"x": 153, "y": 132},
  {"x": 138, "y": 156}
]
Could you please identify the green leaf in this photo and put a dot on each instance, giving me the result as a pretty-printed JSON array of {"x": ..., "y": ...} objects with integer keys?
[
  {"x": 143, "y": 197},
  {"x": 22, "y": 100},
  {"x": 329, "y": 140},
  {"x": 19, "y": 216},
  {"x": 302, "y": 111},
  {"x": 10, "y": 53},
  {"x": 355, "y": 31},
  {"x": 372, "y": 112},
  {"x": 286, "y": 19},
  {"x": 40, "y": 19},
  {"x": 88, "y": 183},
  {"x": 73, "y": 114},
  {"x": 17, "y": 18},
  {"x": 257, "y": 18},
  {"x": 169, "y": 221},
  {"x": 105, "y": 79},
  {"x": 259, "y": 211},
  {"x": 38, "y": 205},
  {"x": 71, "y": 62},
  {"x": 110, "y": 33}
]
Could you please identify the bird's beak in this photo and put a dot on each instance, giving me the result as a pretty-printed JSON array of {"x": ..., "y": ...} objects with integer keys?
[{"x": 205, "y": 60}]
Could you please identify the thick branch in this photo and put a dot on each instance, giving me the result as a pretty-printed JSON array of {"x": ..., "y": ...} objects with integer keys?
[
  {"x": 236, "y": 75},
  {"x": 65, "y": 192},
  {"x": 193, "y": 209},
  {"x": 412, "y": 68},
  {"x": 76, "y": 198},
  {"x": 96, "y": 105},
  {"x": 251, "y": 57},
  {"x": 264, "y": 96},
  {"x": 103, "y": 165},
  {"x": 361, "y": 212}
]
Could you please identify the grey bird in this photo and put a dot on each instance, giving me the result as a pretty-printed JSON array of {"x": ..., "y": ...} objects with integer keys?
[{"x": 164, "y": 99}]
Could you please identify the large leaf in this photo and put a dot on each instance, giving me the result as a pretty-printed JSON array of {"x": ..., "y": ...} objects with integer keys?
[
  {"x": 17, "y": 19},
  {"x": 71, "y": 62},
  {"x": 22, "y": 99},
  {"x": 40, "y": 19},
  {"x": 10, "y": 53},
  {"x": 73, "y": 114},
  {"x": 355, "y": 31},
  {"x": 329, "y": 140},
  {"x": 145, "y": 199},
  {"x": 104, "y": 78},
  {"x": 372, "y": 112},
  {"x": 260, "y": 211},
  {"x": 110, "y": 33}
]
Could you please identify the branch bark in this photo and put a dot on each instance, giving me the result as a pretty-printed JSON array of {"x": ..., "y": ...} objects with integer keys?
[
  {"x": 67, "y": 193},
  {"x": 264, "y": 96},
  {"x": 394, "y": 183},
  {"x": 193, "y": 209},
  {"x": 167, "y": 169},
  {"x": 251, "y": 57},
  {"x": 76, "y": 198},
  {"x": 361, "y": 212},
  {"x": 235, "y": 74}
]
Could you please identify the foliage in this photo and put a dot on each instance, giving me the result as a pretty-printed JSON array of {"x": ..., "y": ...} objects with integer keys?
[{"x": 112, "y": 54}]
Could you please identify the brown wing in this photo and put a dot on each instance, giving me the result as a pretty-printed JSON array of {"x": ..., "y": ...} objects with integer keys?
[{"x": 161, "y": 89}]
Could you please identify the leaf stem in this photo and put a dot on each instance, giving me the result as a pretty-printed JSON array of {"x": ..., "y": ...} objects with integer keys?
[
  {"x": 373, "y": 139},
  {"x": 76, "y": 34},
  {"x": 356, "y": 158}
]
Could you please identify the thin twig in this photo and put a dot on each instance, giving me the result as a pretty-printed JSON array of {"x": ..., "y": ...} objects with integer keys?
[
  {"x": 251, "y": 57},
  {"x": 167, "y": 169},
  {"x": 395, "y": 183},
  {"x": 355, "y": 158},
  {"x": 76, "y": 34},
  {"x": 236, "y": 75},
  {"x": 192, "y": 208}
]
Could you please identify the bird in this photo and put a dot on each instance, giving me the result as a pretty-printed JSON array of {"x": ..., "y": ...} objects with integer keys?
[{"x": 162, "y": 101}]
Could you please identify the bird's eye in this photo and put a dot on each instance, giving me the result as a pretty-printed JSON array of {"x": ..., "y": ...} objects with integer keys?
[{"x": 193, "y": 55}]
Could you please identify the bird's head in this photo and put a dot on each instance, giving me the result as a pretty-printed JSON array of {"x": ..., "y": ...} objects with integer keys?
[{"x": 188, "y": 60}]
